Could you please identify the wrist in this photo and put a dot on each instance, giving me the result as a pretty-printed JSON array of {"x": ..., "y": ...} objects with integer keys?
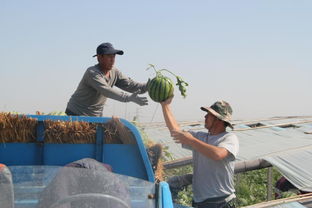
[
  {"x": 127, "y": 98},
  {"x": 192, "y": 141}
]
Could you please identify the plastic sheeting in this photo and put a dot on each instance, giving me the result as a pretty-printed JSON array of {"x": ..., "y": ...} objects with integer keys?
[
  {"x": 296, "y": 166},
  {"x": 289, "y": 205},
  {"x": 62, "y": 187},
  {"x": 254, "y": 143}
]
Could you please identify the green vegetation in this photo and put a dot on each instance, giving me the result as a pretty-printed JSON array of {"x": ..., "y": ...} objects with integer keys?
[
  {"x": 184, "y": 196},
  {"x": 251, "y": 187}
]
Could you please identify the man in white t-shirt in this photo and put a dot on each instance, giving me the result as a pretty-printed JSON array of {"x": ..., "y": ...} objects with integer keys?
[{"x": 214, "y": 153}]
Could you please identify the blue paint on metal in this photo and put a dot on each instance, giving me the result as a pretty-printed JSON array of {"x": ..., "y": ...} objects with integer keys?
[
  {"x": 19, "y": 154},
  {"x": 99, "y": 143},
  {"x": 40, "y": 131},
  {"x": 123, "y": 159},
  {"x": 40, "y": 140},
  {"x": 71, "y": 118},
  {"x": 142, "y": 149},
  {"x": 166, "y": 195},
  {"x": 62, "y": 154}
]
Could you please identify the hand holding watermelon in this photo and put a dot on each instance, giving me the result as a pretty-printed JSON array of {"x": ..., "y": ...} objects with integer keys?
[{"x": 160, "y": 88}]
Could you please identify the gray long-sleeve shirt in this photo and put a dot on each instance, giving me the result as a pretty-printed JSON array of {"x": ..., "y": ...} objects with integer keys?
[{"x": 94, "y": 88}]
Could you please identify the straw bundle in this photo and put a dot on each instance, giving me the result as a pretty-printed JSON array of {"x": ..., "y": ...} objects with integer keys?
[
  {"x": 116, "y": 133},
  {"x": 72, "y": 132},
  {"x": 20, "y": 128},
  {"x": 17, "y": 128},
  {"x": 159, "y": 173},
  {"x": 75, "y": 132},
  {"x": 154, "y": 152}
]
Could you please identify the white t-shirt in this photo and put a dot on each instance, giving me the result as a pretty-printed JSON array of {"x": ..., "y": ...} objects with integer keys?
[{"x": 213, "y": 178}]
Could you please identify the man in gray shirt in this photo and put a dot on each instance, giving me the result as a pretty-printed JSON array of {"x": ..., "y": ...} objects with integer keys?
[
  {"x": 214, "y": 153},
  {"x": 97, "y": 85}
]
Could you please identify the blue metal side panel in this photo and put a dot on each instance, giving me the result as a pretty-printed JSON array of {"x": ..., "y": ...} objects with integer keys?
[
  {"x": 144, "y": 157},
  {"x": 71, "y": 118},
  {"x": 166, "y": 199},
  {"x": 62, "y": 154},
  {"x": 19, "y": 154},
  {"x": 99, "y": 144},
  {"x": 124, "y": 160},
  {"x": 40, "y": 140}
]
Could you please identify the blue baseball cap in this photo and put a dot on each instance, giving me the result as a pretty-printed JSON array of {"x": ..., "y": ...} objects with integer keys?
[{"x": 107, "y": 48}]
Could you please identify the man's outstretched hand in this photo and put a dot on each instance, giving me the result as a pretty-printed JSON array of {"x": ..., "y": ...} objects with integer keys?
[{"x": 138, "y": 100}]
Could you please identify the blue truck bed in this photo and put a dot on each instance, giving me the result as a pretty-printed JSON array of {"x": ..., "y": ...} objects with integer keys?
[{"x": 129, "y": 160}]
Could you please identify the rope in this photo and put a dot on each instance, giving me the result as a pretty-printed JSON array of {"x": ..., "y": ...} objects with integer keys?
[{"x": 154, "y": 113}]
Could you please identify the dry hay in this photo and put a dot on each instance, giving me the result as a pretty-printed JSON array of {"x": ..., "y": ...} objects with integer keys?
[
  {"x": 116, "y": 133},
  {"x": 17, "y": 128},
  {"x": 72, "y": 132},
  {"x": 159, "y": 173},
  {"x": 154, "y": 152},
  {"x": 75, "y": 132},
  {"x": 22, "y": 129}
]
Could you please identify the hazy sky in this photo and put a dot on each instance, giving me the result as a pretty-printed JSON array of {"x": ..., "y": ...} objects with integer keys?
[{"x": 257, "y": 55}]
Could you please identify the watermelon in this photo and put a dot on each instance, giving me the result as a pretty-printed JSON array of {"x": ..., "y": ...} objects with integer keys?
[{"x": 160, "y": 88}]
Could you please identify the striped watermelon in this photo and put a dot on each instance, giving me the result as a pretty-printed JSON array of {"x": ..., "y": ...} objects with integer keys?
[{"x": 160, "y": 88}]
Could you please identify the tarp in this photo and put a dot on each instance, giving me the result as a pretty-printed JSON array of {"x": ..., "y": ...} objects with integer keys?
[{"x": 296, "y": 166}]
